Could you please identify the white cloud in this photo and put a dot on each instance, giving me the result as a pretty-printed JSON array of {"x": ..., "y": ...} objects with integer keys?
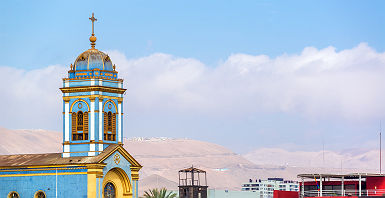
[
  {"x": 31, "y": 98},
  {"x": 317, "y": 83},
  {"x": 324, "y": 83}
]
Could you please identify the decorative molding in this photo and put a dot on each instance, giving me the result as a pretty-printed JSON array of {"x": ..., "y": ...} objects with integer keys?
[
  {"x": 42, "y": 169},
  {"x": 76, "y": 143},
  {"x": 87, "y": 96},
  {"x": 84, "y": 152},
  {"x": 94, "y": 77},
  {"x": 93, "y": 88},
  {"x": 90, "y": 70},
  {"x": 109, "y": 100},
  {"x": 126, "y": 155},
  {"x": 92, "y": 98},
  {"x": 43, "y": 174},
  {"x": 80, "y": 99},
  {"x": 135, "y": 172},
  {"x": 47, "y": 166}
]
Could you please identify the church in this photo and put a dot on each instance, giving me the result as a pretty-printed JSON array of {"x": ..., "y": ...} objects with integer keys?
[{"x": 93, "y": 163}]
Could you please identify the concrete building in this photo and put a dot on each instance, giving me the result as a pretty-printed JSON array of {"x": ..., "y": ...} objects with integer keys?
[
  {"x": 265, "y": 188},
  {"x": 342, "y": 185}
]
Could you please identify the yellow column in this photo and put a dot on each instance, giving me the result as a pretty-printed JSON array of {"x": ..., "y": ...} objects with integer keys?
[
  {"x": 91, "y": 186},
  {"x": 135, "y": 178},
  {"x": 93, "y": 173}
]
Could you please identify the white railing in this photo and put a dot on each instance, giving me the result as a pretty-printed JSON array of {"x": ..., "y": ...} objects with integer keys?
[{"x": 331, "y": 193}]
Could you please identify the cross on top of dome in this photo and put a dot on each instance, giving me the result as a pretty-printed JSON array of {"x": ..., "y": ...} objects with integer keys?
[
  {"x": 93, "y": 37},
  {"x": 93, "y": 63}
]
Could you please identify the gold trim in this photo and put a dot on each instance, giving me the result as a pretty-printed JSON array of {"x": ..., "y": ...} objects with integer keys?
[
  {"x": 43, "y": 174},
  {"x": 120, "y": 180},
  {"x": 91, "y": 70},
  {"x": 83, "y": 152},
  {"x": 84, "y": 78},
  {"x": 76, "y": 143},
  {"x": 135, "y": 172},
  {"x": 51, "y": 166},
  {"x": 126, "y": 155},
  {"x": 109, "y": 100},
  {"x": 87, "y": 96},
  {"x": 93, "y": 88},
  {"x": 81, "y": 74},
  {"x": 43, "y": 169},
  {"x": 9, "y": 194},
  {"x": 35, "y": 196},
  {"x": 88, "y": 107}
]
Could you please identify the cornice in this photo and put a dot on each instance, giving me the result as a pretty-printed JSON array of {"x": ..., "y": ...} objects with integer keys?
[
  {"x": 89, "y": 70},
  {"x": 101, "y": 97},
  {"x": 93, "y": 88},
  {"x": 93, "y": 77}
]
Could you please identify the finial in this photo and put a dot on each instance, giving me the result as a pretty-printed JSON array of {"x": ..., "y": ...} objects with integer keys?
[
  {"x": 93, "y": 37},
  {"x": 72, "y": 66},
  {"x": 113, "y": 67}
]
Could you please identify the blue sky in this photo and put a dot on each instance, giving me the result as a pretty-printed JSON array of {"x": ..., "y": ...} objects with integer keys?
[
  {"x": 53, "y": 32},
  {"x": 244, "y": 74}
]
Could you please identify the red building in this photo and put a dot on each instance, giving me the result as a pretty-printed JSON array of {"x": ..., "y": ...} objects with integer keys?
[{"x": 342, "y": 185}]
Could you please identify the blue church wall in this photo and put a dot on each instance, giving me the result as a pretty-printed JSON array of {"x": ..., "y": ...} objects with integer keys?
[
  {"x": 84, "y": 106},
  {"x": 110, "y": 84},
  {"x": 79, "y": 147},
  {"x": 80, "y": 94},
  {"x": 111, "y": 94},
  {"x": 80, "y": 83},
  {"x": 74, "y": 185},
  {"x": 107, "y": 83},
  {"x": 114, "y": 105},
  {"x": 123, "y": 164}
]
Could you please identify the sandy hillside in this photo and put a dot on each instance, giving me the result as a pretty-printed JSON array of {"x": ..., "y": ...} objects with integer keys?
[{"x": 163, "y": 157}]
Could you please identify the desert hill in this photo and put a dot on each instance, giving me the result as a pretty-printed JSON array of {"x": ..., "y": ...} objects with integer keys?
[{"x": 163, "y": 157}]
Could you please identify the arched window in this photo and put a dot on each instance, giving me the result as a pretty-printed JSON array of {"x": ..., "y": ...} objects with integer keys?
[
  {"x": 109, "y": 126},
  {"x": 80, "y": 125},
  {"x": 79, "y": 122},
  {"x": 109, "y": 123},
  {"x": 40, "y": 194},
  {"x": 109, "y": 190},
  {"x": 13, "y": 194}
]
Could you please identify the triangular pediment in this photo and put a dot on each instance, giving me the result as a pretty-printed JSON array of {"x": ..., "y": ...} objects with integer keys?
[{"x": 118, "y": 148}]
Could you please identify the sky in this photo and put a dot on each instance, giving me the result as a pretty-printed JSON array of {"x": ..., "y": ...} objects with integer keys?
[{"x": 243, "y": 74}]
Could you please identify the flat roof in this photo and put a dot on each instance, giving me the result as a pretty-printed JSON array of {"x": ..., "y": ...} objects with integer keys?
[{"x": 339, "y": 176}]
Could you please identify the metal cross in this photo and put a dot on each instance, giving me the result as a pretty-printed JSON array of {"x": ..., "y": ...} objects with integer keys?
[{"x": 93, "y": 19}]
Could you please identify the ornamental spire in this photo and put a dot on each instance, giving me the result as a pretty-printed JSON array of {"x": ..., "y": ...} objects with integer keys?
[{"x": 93, "y": 37}]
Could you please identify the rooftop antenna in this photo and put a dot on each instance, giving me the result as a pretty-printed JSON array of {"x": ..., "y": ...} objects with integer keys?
[
  {"x": 380, "y": 149},
  {"x": 323, "y": 152}
]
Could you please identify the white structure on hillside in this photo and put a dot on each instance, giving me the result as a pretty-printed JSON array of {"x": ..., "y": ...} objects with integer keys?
[{"x": 265, "y": 188}]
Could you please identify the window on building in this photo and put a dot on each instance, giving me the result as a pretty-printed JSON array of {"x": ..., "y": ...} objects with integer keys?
[
  {"x": 109, "y": 191},
  {"x": 80, "y": 125},
  {"x": 109, "y": 126},
  {"x": 13, "y": 194},
  {"x": 40, "y": 194}
]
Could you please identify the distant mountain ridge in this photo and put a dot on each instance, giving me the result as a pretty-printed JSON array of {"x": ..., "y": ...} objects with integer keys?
[{"x": 162, "y": 158}]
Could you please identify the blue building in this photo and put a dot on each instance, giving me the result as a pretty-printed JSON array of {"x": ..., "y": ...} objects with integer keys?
[{"x": 93, "y": 163}]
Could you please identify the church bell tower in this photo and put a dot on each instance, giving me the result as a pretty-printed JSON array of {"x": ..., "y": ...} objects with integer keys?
[{"x": 93, "y": 103}]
